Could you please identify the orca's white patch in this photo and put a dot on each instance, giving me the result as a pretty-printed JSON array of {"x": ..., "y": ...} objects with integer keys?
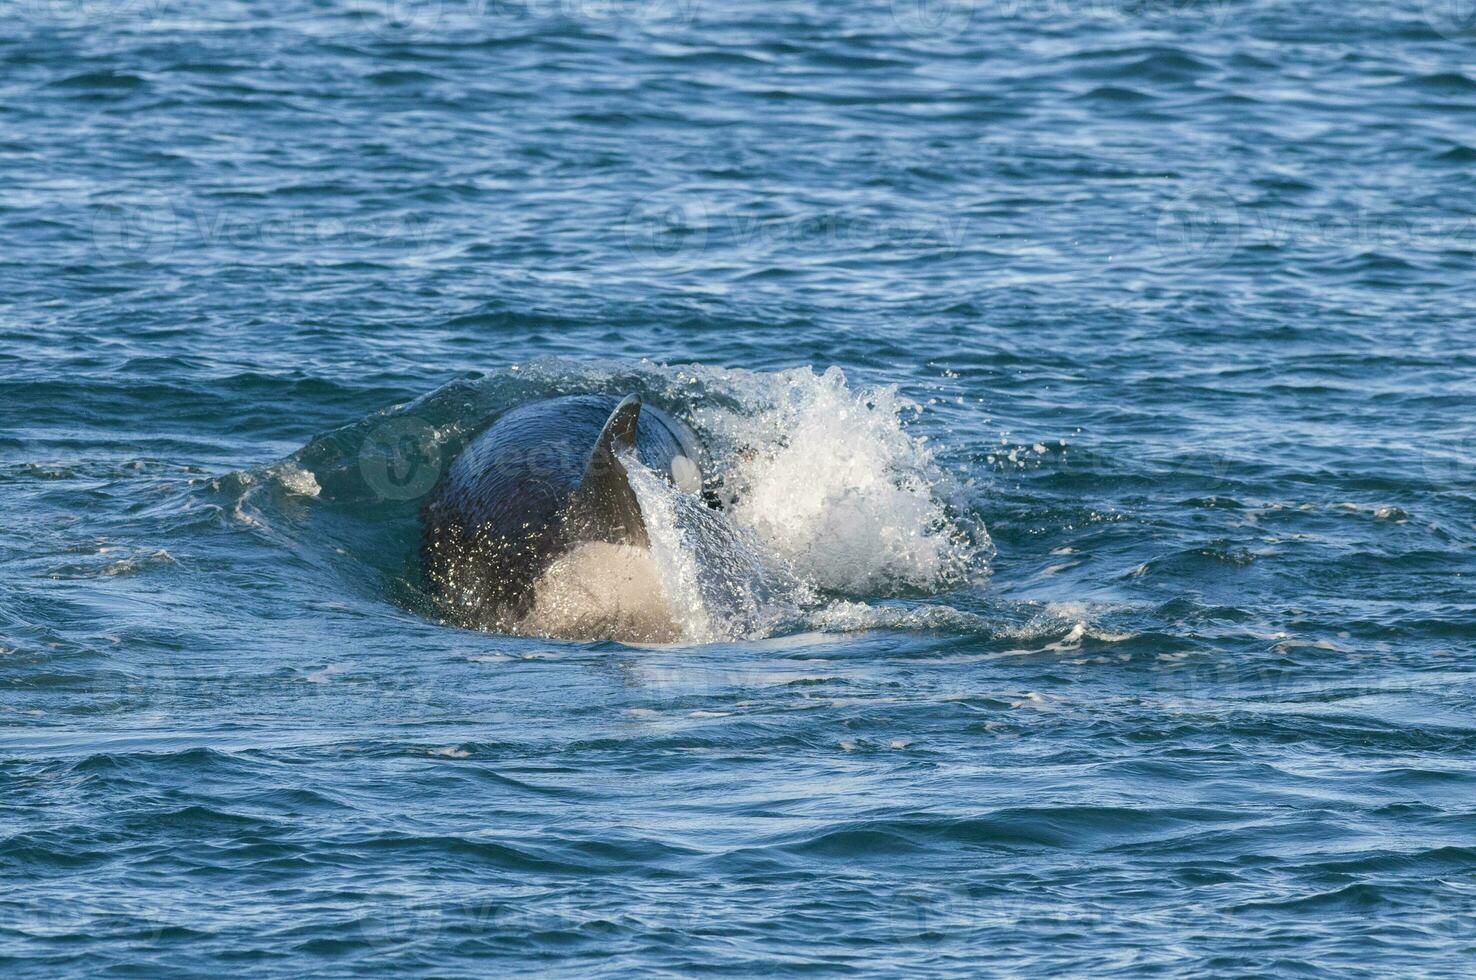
[{"x": 601, "y": 591}]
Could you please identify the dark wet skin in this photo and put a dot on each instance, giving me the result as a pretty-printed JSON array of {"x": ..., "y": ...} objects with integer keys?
[{"x": 511, "y": 502}]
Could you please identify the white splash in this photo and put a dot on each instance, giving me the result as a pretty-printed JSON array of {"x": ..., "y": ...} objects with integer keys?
[
  {"x": 830, "y": 480},
  {"x": 296, "y": 480},
  {"x": 835, "y": 501},
  {"x": 828, "y": 492},
  {"x": 718, "y": 584}
]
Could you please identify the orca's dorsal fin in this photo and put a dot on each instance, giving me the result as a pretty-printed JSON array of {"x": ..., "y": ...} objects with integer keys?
[{"x": 605, "y": 506}]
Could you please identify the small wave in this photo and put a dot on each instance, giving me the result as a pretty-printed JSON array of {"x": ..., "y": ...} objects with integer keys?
[
  {"x": 1117, "y": 94},
  {"x": 1449, "y": 83},
  {"x": 1064, "y": 827},
  {"x": 93, "y": 80},
  {"x": 844, "y": 616}
]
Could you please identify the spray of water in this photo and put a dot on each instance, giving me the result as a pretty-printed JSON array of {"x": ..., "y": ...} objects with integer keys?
[
  {"x": 830, "y": 498},
  {"x": 830, "y": 480},
  {"x": 834, "y": 501}
]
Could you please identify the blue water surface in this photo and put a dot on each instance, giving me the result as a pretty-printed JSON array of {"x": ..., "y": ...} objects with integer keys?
[{"x": 1113, "y": 363}]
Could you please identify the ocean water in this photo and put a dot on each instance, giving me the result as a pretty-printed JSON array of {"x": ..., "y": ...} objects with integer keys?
[{"x": 1097, "y": 376}]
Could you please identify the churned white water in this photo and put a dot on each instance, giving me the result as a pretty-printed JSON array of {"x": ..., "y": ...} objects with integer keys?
[
  {"x": 829, "y": 496},
  {"x": 831, "y": 481}
]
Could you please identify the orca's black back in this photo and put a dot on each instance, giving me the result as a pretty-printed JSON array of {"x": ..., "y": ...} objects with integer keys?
[{"x": 494, "y": 522}]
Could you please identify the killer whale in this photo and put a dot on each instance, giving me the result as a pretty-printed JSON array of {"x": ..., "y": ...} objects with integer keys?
[{"x": 542, "y": 480}]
